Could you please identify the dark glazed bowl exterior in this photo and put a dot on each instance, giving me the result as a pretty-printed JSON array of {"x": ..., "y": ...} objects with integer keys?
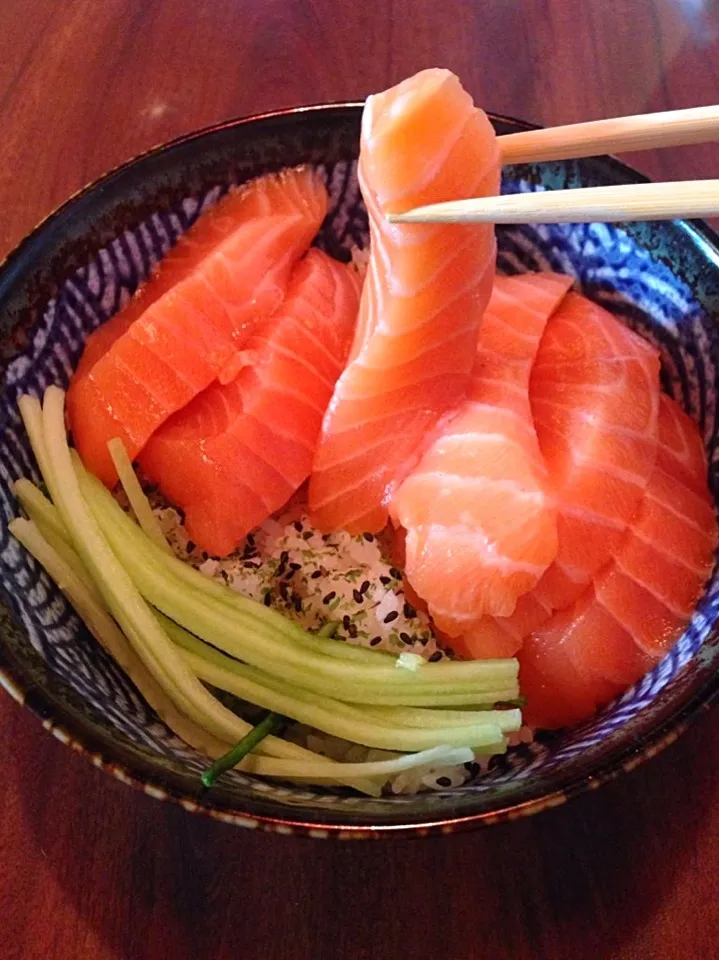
[{"x": 71, "y": 272}]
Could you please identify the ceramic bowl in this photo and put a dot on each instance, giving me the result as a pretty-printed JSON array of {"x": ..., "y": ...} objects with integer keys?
[{"x": 78, "y": 267}]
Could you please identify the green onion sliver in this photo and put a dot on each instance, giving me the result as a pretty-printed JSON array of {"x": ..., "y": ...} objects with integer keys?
[{"x": 248, "y": 743}]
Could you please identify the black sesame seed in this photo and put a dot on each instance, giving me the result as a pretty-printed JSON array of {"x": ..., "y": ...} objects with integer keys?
[
  {"x": 190, "y": 546},
  {"x": 298, "y": 604},
  {"x": 329, "y": 597},
  {"x": 295, "y": 566},
  {"x": 284, "y": 591},
  {"x": 251, "y": 538},
  {"x": 346, "y": 621},
  {"x": 284, "y": 556},
  {"x": 374, "y": 641},
  {"x": 409, "y": 611},
  {"x": 444, "y": 782},
  {"x": 365, "y": 586},
  {"x": 352, "y": 631},
  {"x": 205, "y": 555},
  {"x": 394, "y": 572},
  {"x": 298, "y": 526},
  {"x": 268, "y": 599},
  {"x": 315, "y": 574},
  {"x": 392, "y": 615},
  {"x": 358, "y": 598},
  {"x": 435, "y": 657},
  {"x": 290, "y": 574},
  {"x": 307, "y": 535},
  {"x": 369, "y": 537},
  {"x": 405, "y": 637},
  {"x": 385, "y": 580},
  {"x": 251, "y": 566}
]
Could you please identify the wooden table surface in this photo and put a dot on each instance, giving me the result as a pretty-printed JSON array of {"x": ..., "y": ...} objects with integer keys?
[{"x": 88, "y": 868}]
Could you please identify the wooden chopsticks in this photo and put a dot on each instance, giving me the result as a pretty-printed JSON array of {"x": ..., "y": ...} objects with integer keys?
[
  {"x": 632, "y": 201},
  {"x": 673, "y": 128},
  {"x": 646, "y": 201}
]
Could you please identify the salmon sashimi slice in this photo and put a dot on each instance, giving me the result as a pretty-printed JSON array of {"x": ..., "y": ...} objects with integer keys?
[
  {"x": 478, "y": 511},
  {"x": 270, "y": 195},
  {"x": 642, "y": 599},
  {"x": 488, "y": 636},
  {"x": 230, "y": 272},
  {"x": 426, "y": 289},
  {"x": 681, "y": 453},
  {"x": 241, "y": 448},
  {"x": 594, "y": 392}
]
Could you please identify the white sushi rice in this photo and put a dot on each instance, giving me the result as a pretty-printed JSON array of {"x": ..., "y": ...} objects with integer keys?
[
  {"x": 314, "y": 578},
  {"x": 360, "y": 259}
]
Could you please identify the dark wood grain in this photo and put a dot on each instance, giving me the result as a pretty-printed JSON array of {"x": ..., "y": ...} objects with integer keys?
[{"x": 90, "y": 869}]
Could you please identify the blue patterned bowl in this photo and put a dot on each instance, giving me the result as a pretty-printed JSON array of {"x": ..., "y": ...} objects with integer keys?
[{"x": 80, "y": 265}]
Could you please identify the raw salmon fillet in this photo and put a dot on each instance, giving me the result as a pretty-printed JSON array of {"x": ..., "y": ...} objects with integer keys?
[
  {"x": 641, "y": 600},
  {"x": 594, "y": 392},
  {"x": 478, "y": 510},
  {"x": 171, "y": 341},
  {"x": 422, "y": 141},
  {"x": 240, "y": 449}
]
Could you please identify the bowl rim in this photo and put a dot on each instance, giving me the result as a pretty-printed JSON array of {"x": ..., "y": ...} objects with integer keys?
[{"x": 64, "y": 728}]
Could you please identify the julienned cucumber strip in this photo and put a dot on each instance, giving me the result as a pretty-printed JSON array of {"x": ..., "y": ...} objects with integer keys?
[
  {"x": 508, "y": 721},
  {"x": 39, "y": 508},
  {"x": 48, "y": 521},
  {"x": 136, "y": 495},
  {"x": 390, "y": 718},
  {"x": 245, "y": 639},
  {"x": 318, "y": 771},
  {"x": 340, "y": 720},
  {"x": 31, "y": 413},
  {"x": 109, "y": 636}
]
